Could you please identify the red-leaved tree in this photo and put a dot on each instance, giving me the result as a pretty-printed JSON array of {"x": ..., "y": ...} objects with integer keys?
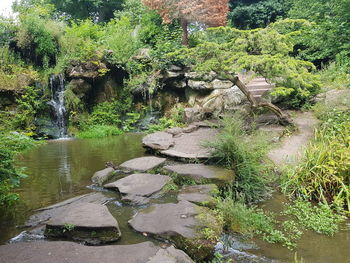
[{"x": 209, "y": 12}]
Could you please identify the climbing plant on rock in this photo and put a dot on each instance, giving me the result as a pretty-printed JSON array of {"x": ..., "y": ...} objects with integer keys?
[
  {"x": 208, "y": 12},
  {"x": 266, "y": 52}
]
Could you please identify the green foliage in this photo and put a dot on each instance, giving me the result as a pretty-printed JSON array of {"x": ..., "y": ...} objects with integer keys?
[
  {"x": 323, "y": 172},
  {"x": 257, "y": 13},
  {"x": 328, "y": 38},
  {"x": 236, "y": 149},
  {"x": 28, "y": 106},
  {"x": 37, "y": 38},
  {"x": 263, "y": 51},
  {"x": 320, "y": 219},
  {"x": 121, "y": 40},
  {"x": 10, "y": 145},
  {"x": 163, "y": 124},
  {"x": 99, "y": 131}
]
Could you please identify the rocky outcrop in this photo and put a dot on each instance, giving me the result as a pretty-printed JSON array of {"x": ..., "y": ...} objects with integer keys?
[
  {"x": 179, "y": 223},
  {"x": 86, "y": 222},
  {"x": 87, "y": 70},
  {"x": 68, "y": 252},
  {"x": 201, "y": 172},
  {"x": 142, "y": 164},
  {"x": 137, "y": 188}
]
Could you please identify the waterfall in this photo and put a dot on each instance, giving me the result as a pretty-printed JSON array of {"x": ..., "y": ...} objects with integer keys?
[{"x": 56, "y": 83}]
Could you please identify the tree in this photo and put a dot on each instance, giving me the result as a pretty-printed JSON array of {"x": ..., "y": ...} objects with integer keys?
[{"x": 209, "y": 12}]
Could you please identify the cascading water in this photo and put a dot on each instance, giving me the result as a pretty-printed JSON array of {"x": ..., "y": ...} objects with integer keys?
[{"x": 56, "y": 82}]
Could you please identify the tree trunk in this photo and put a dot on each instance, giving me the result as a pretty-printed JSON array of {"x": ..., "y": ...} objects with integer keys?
[
  {"x": 284, "y": 119},
  {"x": 184, "y": 25}
]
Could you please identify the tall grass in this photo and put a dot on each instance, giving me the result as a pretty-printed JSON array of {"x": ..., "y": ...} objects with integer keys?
[
  {"x": 323, "y": 174},
  {"x": 242, "y": 152}
]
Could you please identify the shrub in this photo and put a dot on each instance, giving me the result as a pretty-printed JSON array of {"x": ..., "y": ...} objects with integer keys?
[
  {"x": 10, "y": 145},
  {"x": 237, "y": 150}
]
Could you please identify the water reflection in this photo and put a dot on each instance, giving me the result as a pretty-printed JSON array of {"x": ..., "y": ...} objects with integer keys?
[{"x": 62, "y": 169}]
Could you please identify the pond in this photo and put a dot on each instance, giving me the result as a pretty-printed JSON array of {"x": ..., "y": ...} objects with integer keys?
[{"x": 63, "y": 169}]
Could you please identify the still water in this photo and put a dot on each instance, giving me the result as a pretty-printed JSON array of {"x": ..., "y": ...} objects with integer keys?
[{"x": 62, "y": 169}]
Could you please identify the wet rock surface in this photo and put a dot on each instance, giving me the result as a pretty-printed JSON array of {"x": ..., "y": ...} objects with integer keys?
[
  {"x": 137, "y": 187},
  {"x": 87, "y": 222},
  {"x": 102, "y": 176},
  {"x": 44, "y": 214},
  {"x": 69, "y": 252},
  {"x": 198, "y": 194},
  {"x": 142, "y": 164},
  {"x": 178, "y": 223},
  {"x": 201, "y": 172}
]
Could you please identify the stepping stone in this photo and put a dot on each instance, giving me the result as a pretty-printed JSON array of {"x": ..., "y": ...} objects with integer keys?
[
  {"x": 102, "y": 176},
  {"x": 170, "y": 255},
  {"x": 201, "y": 172},
  {"x": 90, "y": 223},
  {"x": 190, "y": 145},
  {"x": 142, "y": 164},
  {"x": 69, "y": 252},
  {"x": 158, "y": 141},
  {"x": 178, "y": 223},
  {"x": 198, "y": 194},
  {"x": 137, "y": 187},
  {"x": 44, "y": 214}
]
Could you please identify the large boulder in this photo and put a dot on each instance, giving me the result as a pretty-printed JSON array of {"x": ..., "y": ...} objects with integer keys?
[
  {"x": 179, "y": 223},
  {"x": 87, "y": 70},
  {"x": 202, "y": 173},
  {"x": 102, "y": 176},
  {"x": 86, "y": 222},
  {"x": 69, "y": 252},
  {"x": 143, "y": 164},
  {"x": 138, "y": 187}
]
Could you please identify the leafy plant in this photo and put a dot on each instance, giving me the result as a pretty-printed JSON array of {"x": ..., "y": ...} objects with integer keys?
[{"x": 99, "y": 131}]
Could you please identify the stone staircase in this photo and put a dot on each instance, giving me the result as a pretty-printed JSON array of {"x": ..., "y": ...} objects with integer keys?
[{"x": 258, "y": 87}]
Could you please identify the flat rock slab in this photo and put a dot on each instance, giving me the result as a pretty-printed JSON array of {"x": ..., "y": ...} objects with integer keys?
[
  {"x": 143, "y": 164},
  {"x": 198, "y": 194},
  {"x": 201, "y": 172},
  {"x": 69, "y": 252},
  {"x": 191, "y": 145},
  {"x": 91, "y": 223},
  {"x": 102, "y": 176},
  {"x": 44, "y": 214},
  {"x": 178, "y": 223},
  {"x": 158, "y": 141},
  {"x": 136, "y": 186}
]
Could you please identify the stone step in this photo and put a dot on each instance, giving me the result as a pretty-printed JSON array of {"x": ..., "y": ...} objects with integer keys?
[{"x": 69, "y": 252}]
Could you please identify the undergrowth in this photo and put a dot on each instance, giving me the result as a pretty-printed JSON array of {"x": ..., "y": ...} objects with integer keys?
[
  {"x": 99, "y": 131},
  {"x": 243, "y": 152}
]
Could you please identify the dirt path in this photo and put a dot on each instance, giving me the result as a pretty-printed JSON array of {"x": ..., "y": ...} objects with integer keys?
[{"x": 292, "y": 146}]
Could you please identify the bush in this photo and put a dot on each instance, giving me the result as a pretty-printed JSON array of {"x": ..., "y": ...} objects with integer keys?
[
  {"x": 10, "y": 145},
  {"x": 237, "y": 150}
]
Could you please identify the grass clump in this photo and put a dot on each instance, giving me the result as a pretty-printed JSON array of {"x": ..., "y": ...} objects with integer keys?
[
  {"x": 243, "y": 152},
  {"x": 99, "y": 131},
  {"x": 323, "y": 174}
]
